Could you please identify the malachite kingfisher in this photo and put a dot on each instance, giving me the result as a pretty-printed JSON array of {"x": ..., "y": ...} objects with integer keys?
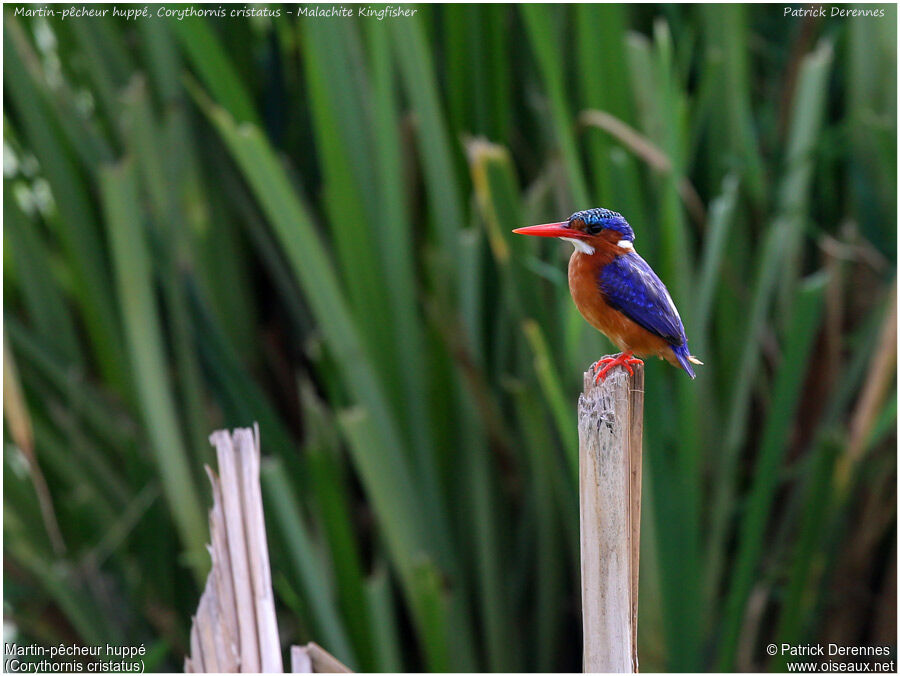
[{"x": 617, "y": 292}]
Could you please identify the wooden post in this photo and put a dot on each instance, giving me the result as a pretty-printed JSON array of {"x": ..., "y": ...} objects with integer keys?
[{"x": 610, "y": 429}]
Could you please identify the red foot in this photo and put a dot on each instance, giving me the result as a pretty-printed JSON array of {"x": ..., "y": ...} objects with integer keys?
[{"x": 625, "y": 359}]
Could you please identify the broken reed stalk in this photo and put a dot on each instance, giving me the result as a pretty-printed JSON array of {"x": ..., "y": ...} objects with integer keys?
[
  {"x": 610, "y": 431},
  {"x": 235, "y": 628},
  {"x": 314, "y": 659}
]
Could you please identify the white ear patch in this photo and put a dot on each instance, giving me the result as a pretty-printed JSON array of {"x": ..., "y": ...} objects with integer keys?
[
  {"x": 626, "y": 244},
  {"x": 580, "y": 245}
]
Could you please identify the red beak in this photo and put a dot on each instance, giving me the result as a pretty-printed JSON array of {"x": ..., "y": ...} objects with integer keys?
[{"x": 550, "y": 230}]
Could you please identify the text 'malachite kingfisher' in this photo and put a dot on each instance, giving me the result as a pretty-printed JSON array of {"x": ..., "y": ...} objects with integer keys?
[{"x": 617, "y": 292}]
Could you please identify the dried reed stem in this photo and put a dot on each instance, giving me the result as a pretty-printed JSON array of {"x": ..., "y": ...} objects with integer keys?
[
  {"x": 235, "y": 627},
  {"x": 610, "y": 429}
]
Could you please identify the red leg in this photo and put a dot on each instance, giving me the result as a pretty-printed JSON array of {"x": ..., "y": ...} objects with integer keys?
[{"x": 625, "y": 359}]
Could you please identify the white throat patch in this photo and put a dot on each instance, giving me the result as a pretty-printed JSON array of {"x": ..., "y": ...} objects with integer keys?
[{"x": 580, "y": 245}]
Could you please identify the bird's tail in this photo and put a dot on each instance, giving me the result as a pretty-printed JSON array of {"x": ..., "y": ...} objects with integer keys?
[{"x": 685, "y": 358}]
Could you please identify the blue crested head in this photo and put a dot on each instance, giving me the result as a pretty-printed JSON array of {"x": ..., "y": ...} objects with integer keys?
[{"x": 599, "y": 219}]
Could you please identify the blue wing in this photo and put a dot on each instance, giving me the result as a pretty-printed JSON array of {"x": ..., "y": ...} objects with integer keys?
[{"x": 631, "y": 286}]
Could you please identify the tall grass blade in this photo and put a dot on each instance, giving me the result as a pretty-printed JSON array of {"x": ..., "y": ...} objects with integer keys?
[
  {"x": 76, "y": 225},
  {"x": 44, "y": 304},
  {"x": 782, "y": 239},
  {"x": 434, "y": 144},
  {"x": 797, "y": 354},
  {"x": 391, "y": 489},
  {"x": 207, "y": 54},
  {"x": 384, "y": 622},
  {"x": 310, "y": 264},
  {"x": 309, "y": 568},
  {"x": 134, "y": 284},
  {"x": 334, "y": 510},
  {"x": 545, "y": 42}
]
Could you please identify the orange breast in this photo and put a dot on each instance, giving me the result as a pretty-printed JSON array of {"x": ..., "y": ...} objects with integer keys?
[{"x": 622, "y": 331}]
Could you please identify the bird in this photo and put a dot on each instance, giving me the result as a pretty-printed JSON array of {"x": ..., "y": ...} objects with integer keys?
[{"x": 618, "y": 293}]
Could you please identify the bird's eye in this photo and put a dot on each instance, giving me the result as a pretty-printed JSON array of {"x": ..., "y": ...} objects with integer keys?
[{"x": 594, "y": 228}]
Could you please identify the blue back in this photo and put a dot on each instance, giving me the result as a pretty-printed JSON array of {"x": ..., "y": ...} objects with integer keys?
[{"x": 630, "y": 286}]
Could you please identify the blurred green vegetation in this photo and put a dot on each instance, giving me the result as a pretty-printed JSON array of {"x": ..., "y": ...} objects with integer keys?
[{"x": 306, "y": 222}]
